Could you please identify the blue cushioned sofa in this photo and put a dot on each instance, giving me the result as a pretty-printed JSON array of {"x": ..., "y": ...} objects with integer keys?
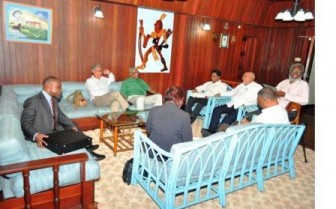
[
  {"x": 85, "y": 117},
  {"x": 34, "y": 177},
  {"x": 203, "y": 169}
]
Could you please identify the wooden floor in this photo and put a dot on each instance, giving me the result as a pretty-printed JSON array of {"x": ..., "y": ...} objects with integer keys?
[{"x": 308, "y": 118}]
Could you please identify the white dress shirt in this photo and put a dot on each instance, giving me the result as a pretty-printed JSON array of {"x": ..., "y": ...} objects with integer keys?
[
  {"x": 210, "y": 89},
  {"x": 274, "y": 115},
  {"x": 99, "y": 87},
  {"x": 48, "y": 97},
  {"x": 243, "y": 95},
  {"x": 297, "y": 91}
]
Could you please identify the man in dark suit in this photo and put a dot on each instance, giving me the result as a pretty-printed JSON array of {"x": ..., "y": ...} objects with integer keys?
[{"x": 41, "y": 115}]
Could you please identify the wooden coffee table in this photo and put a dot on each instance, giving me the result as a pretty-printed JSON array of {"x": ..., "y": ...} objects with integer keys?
[{"x": 116, "y": 129}]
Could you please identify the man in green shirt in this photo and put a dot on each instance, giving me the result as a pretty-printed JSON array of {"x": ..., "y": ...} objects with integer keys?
[{"x": 134, "y": 89}]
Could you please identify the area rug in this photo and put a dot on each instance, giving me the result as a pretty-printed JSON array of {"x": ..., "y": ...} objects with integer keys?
[{"x": 280, "y": 192}]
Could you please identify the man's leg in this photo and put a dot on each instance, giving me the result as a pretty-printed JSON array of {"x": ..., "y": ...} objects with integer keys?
[
  {"x": 199, "y": 106},
  {"x": 216, "y": 115},
  {"x": 192, "y": 101},
  {"x": 104, "y": 100},
  {"x": 231, "y": 115},
  {"x": 140, "y": 102},
  {"x": 120, "y": 100},
  {"x": 201, "y": 102},
  {"x": 153, "y": 100},
  {"x": 190, "y": 104}
]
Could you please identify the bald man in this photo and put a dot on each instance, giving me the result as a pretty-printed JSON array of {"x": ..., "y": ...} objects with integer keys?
[
  {"x": 243, "y": 94},
  {"x": 271, "y": 111}
]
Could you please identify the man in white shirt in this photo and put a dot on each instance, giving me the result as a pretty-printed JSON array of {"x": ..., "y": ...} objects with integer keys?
[
  {"x": 244, "y": 94},
  {"x": 201, "y": 93},
  {"x": 293, "y": 89},
  {"x": 98, "y": 86},
  {"x": 272, "y": 112}
]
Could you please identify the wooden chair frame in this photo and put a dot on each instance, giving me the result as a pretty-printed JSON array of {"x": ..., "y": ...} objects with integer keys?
[
  {"x": 77, "y": 195},
  {"x": 293, "y": 106}
]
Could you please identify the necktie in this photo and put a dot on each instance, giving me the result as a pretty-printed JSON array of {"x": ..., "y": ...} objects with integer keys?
[{"x": 53, "y": 106}]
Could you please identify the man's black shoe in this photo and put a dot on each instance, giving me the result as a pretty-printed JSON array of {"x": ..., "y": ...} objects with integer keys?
[
  {"x": 97, "y": 157},
  {"x": 92, "y": 147}
]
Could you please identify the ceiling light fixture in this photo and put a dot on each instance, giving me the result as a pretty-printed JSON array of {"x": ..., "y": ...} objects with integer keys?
[
  {"x": 296, "y": 13},
  {"x": 97, "y": 11},
  {"x": 205, "y": 25}
]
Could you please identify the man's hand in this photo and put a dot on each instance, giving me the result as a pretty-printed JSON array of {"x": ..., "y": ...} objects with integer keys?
[
  {"x": 244, "y": 121},
  {"x": 106, "y": 71},
  {"x": 280, "y": 93},
  {"x": 39, "y": 140}
]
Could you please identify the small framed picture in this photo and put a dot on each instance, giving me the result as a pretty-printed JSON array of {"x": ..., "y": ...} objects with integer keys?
[{"x": 224, "y": 41}]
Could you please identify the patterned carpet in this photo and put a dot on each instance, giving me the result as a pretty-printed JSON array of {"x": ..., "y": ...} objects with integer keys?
[{"x": 280, "y": 192}]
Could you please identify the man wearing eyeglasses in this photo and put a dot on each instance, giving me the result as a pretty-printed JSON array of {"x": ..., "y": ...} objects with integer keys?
[{"x": 100, "y": 95}]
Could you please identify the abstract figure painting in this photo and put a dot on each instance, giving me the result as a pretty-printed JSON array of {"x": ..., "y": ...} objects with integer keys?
[
  {"x": 25, "y": 23},
  {"x": 154, "y": 41}
]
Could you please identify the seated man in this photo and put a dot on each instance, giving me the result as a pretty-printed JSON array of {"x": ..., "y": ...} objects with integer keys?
[
  {"x": 134, "y": 89},
  {"x": 200, "y": 94},
  {"x": 293, "y": 89},
  {"x": 271, "y": 113},
  {"x": 41, "y": 115},
  {"x": 98, "y": 86},
  {"x": 243, "y": 94}
]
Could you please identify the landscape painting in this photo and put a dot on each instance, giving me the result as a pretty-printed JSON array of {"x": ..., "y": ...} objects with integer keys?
[{"x": 26, "y": 23}]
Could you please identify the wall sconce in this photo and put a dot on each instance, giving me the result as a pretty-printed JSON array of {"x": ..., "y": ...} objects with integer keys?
[
  {"x": 97, "y": 11},
  {"x": 205, "y": 25}
]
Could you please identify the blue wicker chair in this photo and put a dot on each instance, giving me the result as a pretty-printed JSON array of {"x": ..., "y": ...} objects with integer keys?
[{"x": 212, "y": 103}]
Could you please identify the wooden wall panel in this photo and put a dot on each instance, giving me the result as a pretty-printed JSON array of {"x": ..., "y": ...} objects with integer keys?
[
  {"x": 250, "y": 12},
  {"x": 80, "y": 40}
]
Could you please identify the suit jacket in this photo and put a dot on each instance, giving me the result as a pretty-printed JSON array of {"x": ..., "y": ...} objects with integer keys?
[{"x": 37, "y": 117}]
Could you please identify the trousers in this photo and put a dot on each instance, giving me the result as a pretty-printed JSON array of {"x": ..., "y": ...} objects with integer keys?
[
  {"x": 140, "y": 100},
  {"x": 230, "y": 117},
  {"x": 114, "y": 99}
]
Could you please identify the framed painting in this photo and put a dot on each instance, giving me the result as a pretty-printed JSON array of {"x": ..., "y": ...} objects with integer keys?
[
  {"x": 26, "y": 23},
  {"x": 224, "y": 41}
]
